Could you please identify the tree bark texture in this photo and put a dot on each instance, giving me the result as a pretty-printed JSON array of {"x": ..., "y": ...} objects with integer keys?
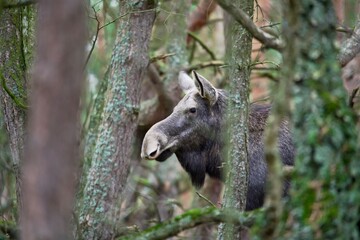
[
  {"x": 52, "y": 147},
  {"x": 100, "y": 213},
  {"x": 325, "y": 137},
  {"x": 238, "y": 55},
  {"x": 13, "y": 85}
]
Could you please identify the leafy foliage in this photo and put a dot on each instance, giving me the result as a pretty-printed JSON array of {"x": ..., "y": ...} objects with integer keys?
[{"x": 325, "y": 198}]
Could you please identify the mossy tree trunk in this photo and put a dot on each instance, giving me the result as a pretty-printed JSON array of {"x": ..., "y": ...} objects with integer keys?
[
  {"x": 14, "y": 53},
  {"x": 99, "y": 216},
  {"x": 325, "y": 192},
  {"x": 52, "y": 146},
  {"x": 238, "y": 58}
]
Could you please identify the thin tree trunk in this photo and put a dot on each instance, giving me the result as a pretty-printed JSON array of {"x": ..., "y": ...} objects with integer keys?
[
  {"x": 52, "y": 148},
  {"x": 238, "y": 54},
  {"x": 100, "y": 213},
  {"x": 13, "y": 85}
]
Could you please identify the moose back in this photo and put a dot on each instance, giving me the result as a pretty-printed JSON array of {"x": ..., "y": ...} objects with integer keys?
[{"x": 194, "y": 132}]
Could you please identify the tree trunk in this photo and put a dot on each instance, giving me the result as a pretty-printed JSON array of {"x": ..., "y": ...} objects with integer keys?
[
  {"x": 238, "y": 55},
  {"x": 13, "y": 85},
  {"x": 108, "y": 173},
  {"x": 52, "y": 148}
]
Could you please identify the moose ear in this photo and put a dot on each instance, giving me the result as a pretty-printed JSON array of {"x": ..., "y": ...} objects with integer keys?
[
  {"x": 206, "y": 89},
  {"x": 186, "y": 83}
]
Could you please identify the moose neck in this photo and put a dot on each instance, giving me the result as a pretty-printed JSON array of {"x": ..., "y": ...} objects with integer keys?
[
  {"x": 204, "y": 159},
  {"x": 206, "y": 156}
]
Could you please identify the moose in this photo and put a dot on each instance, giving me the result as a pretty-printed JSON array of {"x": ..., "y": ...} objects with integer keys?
[{"x": 194, "y": 132}]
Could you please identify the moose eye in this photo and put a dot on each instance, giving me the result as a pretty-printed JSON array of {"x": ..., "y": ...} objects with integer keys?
[{"x": 192, "y": 110}]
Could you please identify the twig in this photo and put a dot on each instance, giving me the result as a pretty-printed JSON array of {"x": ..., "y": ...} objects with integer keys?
[
  {"x": 112, "y": 21},
  {"x": 98, "y": 28},
  {"x": 270, "y": 25},
  {"x": 265, "y": 69},
  {"x": 206, "y": 199},
  {"x": 161, "y": 57},
  {"x": 202, "y": 44},
  {"x": 95, "y": 39},
  {"x": 216, "y": 63},
  {"x": 124, "y": 15},
  {"x": 241, "y": 17},
  {"x": 264, "y": 62},
  {"x": 257, "y": 6}
]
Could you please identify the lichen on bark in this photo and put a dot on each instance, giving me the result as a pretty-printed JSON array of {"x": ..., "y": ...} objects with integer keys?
[
  {"x": 238, "y": 54},
  {"x": 99, "y": 216}
]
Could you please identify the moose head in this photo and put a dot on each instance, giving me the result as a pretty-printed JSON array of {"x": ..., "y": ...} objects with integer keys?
[
  {"x": 195, "y": 133},
  {"x": 192, "y": 131}
]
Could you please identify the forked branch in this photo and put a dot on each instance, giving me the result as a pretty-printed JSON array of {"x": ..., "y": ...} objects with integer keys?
[{"x": 241, "y": 17}]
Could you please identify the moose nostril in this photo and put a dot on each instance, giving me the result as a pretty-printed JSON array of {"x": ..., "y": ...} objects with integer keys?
[{"x": 153, "y": 154}]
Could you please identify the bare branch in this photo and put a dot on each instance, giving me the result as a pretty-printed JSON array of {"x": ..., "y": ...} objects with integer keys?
[
  {"x": 161, "y": 57},
  {"x": 350, "y": 47},
  {"x": 95, "y": 38},
  {"x": 206, "y": 199},
  {"x": 202, "y": 65},
  {"x": 241, "y": 17},
  {"x": 203, "y": 45}
]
